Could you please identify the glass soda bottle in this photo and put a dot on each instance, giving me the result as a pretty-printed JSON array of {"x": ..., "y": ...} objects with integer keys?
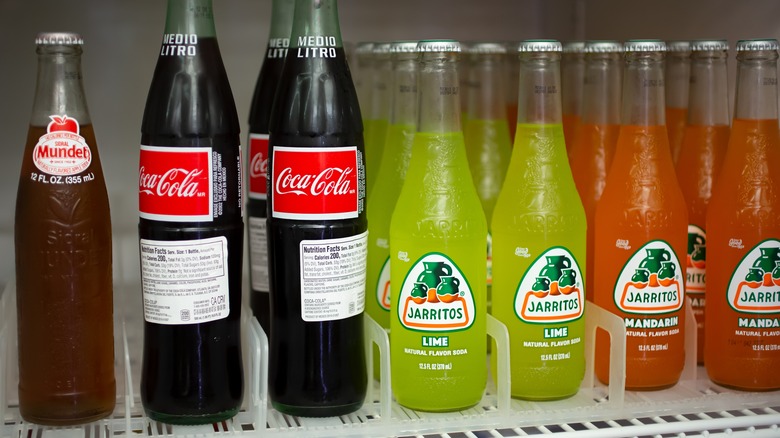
[
  {"x": 592, "y": 151},
  {"x": 486, "y": 133},
  {"x": 572, "y": 80},
  {"x": 641, "y": 223},
  {"x": 512, "y": 71},
  {"x": 259, "y": 114},
  {"x": 379, "y": 111},
  {"x": 362, "y": 76},
  {"x": 701, "y": 157},
  {"x": 392, "y": 172},
  {"x": 62, "y": 234},
  {"x": 539, "y": 235},
  {"x": 317, "y": 238},
  {"x": 743, "y": 234},
  {"x": 677, "y": 78},
  {"x": 191, "y": 230},
  {"x": 437, "y": 254}
]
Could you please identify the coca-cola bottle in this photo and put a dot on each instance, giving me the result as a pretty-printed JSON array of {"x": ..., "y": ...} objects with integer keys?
[
  {"x": 191, "y": 232},
  {"x": 62, "y": 234},
  {"x": 316, "y": 224},
  {"x": 259, "y": 114}
]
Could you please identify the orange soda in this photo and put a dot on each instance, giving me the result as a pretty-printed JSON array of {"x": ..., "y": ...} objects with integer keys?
[{"x": 677, "y": 78}]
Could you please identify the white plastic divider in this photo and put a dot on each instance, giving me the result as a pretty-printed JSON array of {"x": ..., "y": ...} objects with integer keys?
[
  {"x": 596, "y": 317},
  {"x": 3, "y": 350},
  {"x": 128, "y": 378},
  {"x": 259, "y": 377},
  {"x": 377, "y": 335},
  {"x": 498, "y": 331}
]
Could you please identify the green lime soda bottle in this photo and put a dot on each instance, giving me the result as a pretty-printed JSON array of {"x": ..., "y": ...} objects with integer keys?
[
  {"x": 375, "y": 129},
  {"x": 438, "y": 357},
  {"x": 392, "y": 171},
  {"x": 539, "y": 237}
]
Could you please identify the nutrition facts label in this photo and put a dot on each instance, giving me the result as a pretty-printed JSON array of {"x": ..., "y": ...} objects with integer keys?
[
  {"x": 185, "y": 281},
  {"x": 333, "y": 278}
]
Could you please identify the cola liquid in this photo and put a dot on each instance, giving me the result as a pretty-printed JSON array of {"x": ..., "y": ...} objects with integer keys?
[
  {"x": 191, "y": 236},
  {"x": 317, "y": 368}
]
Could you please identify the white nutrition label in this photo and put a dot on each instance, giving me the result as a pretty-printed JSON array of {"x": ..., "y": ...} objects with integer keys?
[
  {"x": 259, "y": 255},
  {"x": 333, "y": 278},
  {"x": 185, "y": 281}
]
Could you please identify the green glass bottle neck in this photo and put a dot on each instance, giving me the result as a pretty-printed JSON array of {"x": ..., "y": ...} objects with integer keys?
[
  {"x": 439, "y": 93},
  {"x": 404, "y": 89},
  {"x": 190, "y": 17},
  {"x": 643, "y": 89},
  {"x": 539, "y": 99},
  {"x": 486, "y": 99},
  {"x": 59, "y": 89},
  {"x": 601, "y": 90},
  {"x": 316, "y": 24},
  {"x": 281, "y": 19},
  {"x": 708, "y": 104},
  {"x": 756, "y": 94}
]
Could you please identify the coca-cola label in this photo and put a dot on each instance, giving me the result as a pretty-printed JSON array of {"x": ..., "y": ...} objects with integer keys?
[
  {"x": 258, "y": 165},
  {"x": 175, "y": 184},
  {"x": 62, "y": 151},
  {"x": 315, "y": 183}
]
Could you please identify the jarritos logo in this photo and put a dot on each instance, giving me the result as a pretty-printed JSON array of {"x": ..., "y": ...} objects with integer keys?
[
  {"x": 650, "y": 282},
  {"x": 551, "y": 289},
  {"x": 258, "y": 165},
  {"x": 755, "y": 284},
  {"x": 696, "y": 264},
  {"x": 62, "y": 151},
  {"x": 383, "y": 286},
  {"x": 314, "y": 183},
  {"x": 175, "y": 184},
  {"x": 435, "y": 296}
]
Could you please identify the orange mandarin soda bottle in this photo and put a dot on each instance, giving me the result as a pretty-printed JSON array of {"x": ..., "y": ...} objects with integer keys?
[
  {"x": 591, "y": 154},
  {"x": 572, "y": 79},
  {"x": 677, "y": 77},
  {"x": 701, "y": 156},
  {"x": 743, "y": 234},
  {"x": 641, "y": 223}
]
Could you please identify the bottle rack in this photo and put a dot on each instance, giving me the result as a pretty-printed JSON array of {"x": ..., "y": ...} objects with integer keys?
[{"x": 693, "y": 407}]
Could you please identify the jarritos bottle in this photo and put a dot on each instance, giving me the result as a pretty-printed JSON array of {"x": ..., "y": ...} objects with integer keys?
[
  {"x": 677, "y": 78},
  {"x": 539, "y": 235},
  {"x": 191, "y": 231},
  {"x": 437, "y": 254},
  {"x": 743, "y": 234},
  {"x": 379, "y": 111},
  {"x": 572, "y": 80},
  {"x": 62, "y": 235},
  {"x": 591, "y": 154},
  {"x": 641, "y": 223},
  {"x": 317, "y": 237},
  {"x": 701, "y": 157},
  {"x": 511, "y": 71},
  {"x": 259, "y": 114}
]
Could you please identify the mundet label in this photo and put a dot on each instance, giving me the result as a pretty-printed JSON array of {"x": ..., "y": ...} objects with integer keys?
[
  {"x": 62, "y": 151},
  {"x": 551, "y": 290},
  {"x": 651, "y": 282},
  {"x": 175, "y": 184},
  {"x": 754, "y": 287},
  {"x": 315, "y": 183},
  {"x": 382, "y": 288},
  {"x": 436, "y": 296},
  {"x": 258, "y": 165}
]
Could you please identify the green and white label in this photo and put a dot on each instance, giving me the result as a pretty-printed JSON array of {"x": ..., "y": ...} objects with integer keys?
[
  {"x": 755, "y": 284},
  {"x": 651, "y": 281},
  {"x": 551, "y": 289}
]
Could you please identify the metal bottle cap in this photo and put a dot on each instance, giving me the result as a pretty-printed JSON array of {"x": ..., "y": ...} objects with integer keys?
[
  {"x": 487, "y": 48},
  {"x": 59, "y": 38},
  {"x": 709, "y": 45},
  {"x": 678, "y": 46},
  {"x": 438, "y": 46},
  {"x": 540, "y": 46},
  {"x": 603, "y": 46},
  {"x": 381, "y": 48},
  {"x": 574, "y": 47},
  {"x": 644, "y": 46},
  {"x": 753, "y": 45},
  {"x": 403, "y": 46}
]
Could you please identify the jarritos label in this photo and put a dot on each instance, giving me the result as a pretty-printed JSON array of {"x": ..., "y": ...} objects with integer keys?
[
  {"x": 314, "y": 183},
  {"x": 651, "y": 281},
  {"x": 62, "y": 151},
  {"x": 755, "y": 283},
  {"x": 435, "y": 296},
  {"x": 696, "y": 261},
  {"x": 258, "y": 165},
  {"x": 382, "y": 289},
  {"x": 175, "y": 184},
  {"x": 551, "y": 289}
]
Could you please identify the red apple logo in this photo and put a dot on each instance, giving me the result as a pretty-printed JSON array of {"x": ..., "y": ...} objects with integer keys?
[{"x": 63, "y": 123}]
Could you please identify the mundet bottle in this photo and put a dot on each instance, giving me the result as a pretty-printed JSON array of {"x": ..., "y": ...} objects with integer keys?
[
  {"x": 572, "y": 80},
  {"x": 390, "y": 179},
  {"x": 191, "y": 230},
  {"x": 641, "y": 232},
  {"x": 703, "y": 148},
  {"x": 742, "y": 350},
  {"x": 317, "y": 238},
  {"x": 591, "y": 154},
  {"x": 539, "y": 235},
  {"x": 62, "y": 234},
  {"x": 259, "y": 114},
  {"x": 437, "y": 254},
  {"x": 486, "y": 133},
  {"x": 677, "y": 78},
  {"x": 379, "y": 111}
]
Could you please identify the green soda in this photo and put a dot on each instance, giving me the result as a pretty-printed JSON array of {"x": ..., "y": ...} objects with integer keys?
[{"x": 375, "y": 126}]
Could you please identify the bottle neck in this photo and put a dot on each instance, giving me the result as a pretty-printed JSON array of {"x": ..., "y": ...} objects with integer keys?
[
  {"x": 186, "y": 18},
  {"x": 382, "y": 78},
  {"x": 677, "y": 77},
  {"x": 316, "y": 25},
  {"x": 572, "y": 74},
  {"x": 643, "y": 89},
  {"x": 601, "y": 91},
  {"x": 756, "y": 95},
  {"x": 486, "y": 92},
  {"x": 281, "y": 20},
  {"x": 405, "y": 89},
  {"x": 439, "y": 98},
  {"x": 540, "y": 85},
  {"x": 59, "y": 90},
  {"x": 708, "y": 102}
]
